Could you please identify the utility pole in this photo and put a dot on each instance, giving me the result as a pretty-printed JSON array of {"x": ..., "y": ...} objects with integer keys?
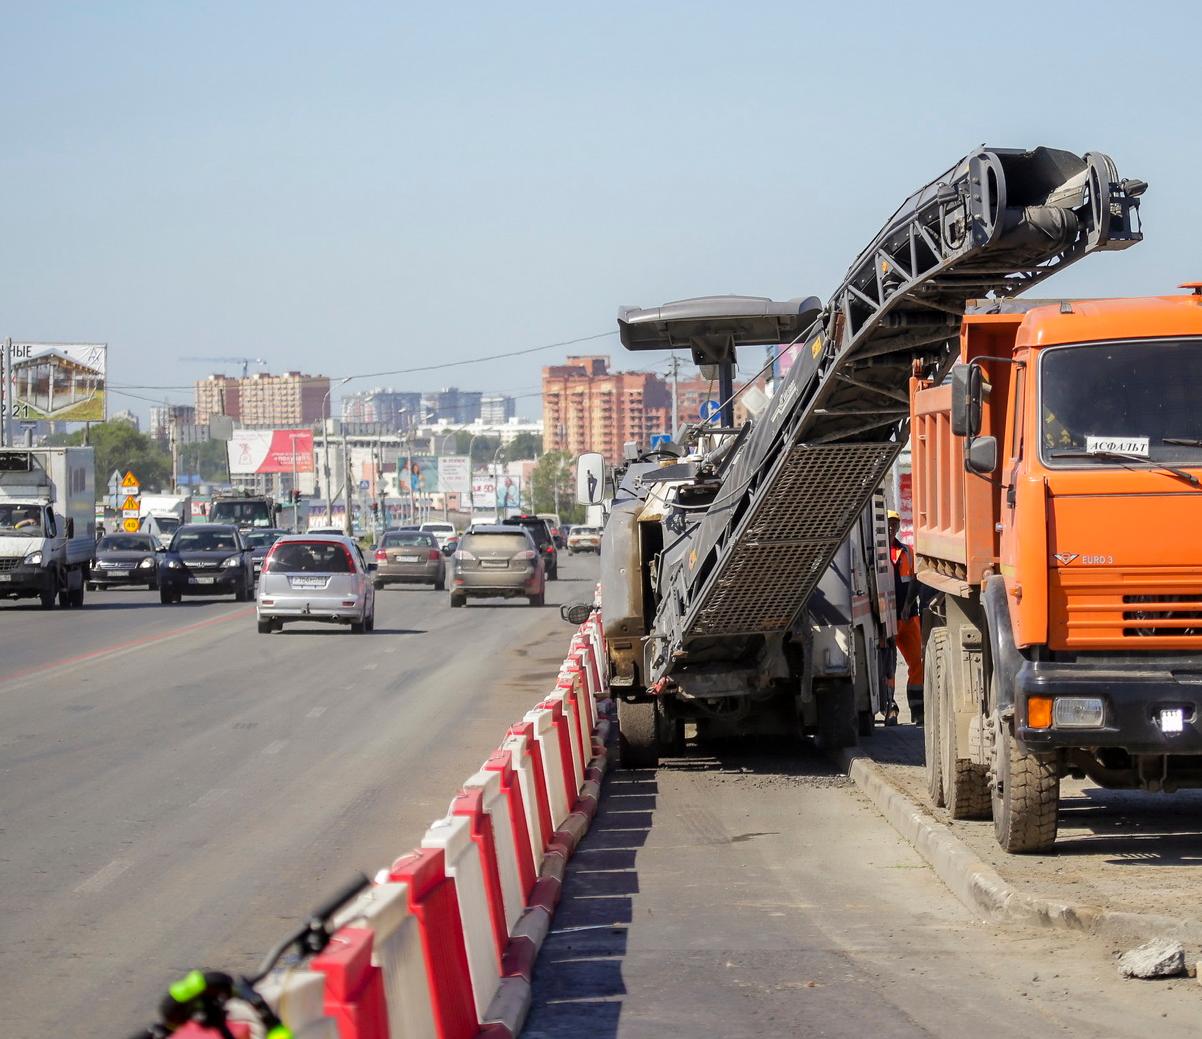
[
  {"x": 6, "y": 361},
  {"x": 496, "y": 483},
  {"x": 348, "y": 526},
  {"x": 675, "y": 393}
]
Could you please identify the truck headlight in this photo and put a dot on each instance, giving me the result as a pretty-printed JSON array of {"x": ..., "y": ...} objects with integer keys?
[
  {"x": 147, "y": 563},
  {"x": 1078, "y": 712},
  {"x": 34, "y": 558}
]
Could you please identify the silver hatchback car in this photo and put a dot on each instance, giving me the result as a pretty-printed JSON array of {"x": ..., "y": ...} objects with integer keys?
[{"x": 316, "y": 577}]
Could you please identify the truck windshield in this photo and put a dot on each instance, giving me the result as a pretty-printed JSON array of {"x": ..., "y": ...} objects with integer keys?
[
  {"x": 22, "y": 519},
  {"x": 241, "y": 513},
  {"x": 1122, "y": 404}
]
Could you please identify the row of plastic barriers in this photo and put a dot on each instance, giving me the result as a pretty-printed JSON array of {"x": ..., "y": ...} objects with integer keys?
[{"x": 443, "y": 942}]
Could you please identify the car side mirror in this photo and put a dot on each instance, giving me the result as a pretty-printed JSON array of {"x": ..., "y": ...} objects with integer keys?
[
  {"x": 590, "y": 479},
  {"x": 980, "y": 455}
]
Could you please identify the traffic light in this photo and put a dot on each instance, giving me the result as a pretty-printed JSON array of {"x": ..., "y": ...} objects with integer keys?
[
  {"x": 296, "y": 496},
  {"x": 375, "y": 508}
]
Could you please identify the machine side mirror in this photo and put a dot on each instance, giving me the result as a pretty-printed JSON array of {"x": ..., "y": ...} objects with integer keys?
[
  {"x": 576, "y": 612},
  {"x": 967, "y": 391},
  {"x": 590, "y": 479},
  {"x": 980, "y": 455}
]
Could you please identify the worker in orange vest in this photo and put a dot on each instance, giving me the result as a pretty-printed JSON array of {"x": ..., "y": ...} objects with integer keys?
[{"x": 909, "y": 626}]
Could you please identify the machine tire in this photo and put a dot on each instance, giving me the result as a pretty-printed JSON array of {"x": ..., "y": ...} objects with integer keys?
[
  {"x": 91, "y": 586},
  {"x": 553, "y": 573},
  {"x": 266, "y": 627},
  {"x": 47, "y": 596},
  {"x": 965, "y": 784},
  {"x": 838, "y": 720},
  {"x": 165, "y": 597},
  {"x": 458, "y": 600},
  {"x": 358, "y": 627},
  {"x": 669, "y": 733},
  {"x": 75, "y": 597},
  {"x": 441, "y": 584},
  {"x": 865, "y": 724},
  {"x": 369, "y": 622},
  {"x": 1026, "y": 796},
  {"x": 638, "y": 734},
  {"x": 933, "y": 691},
  {"x": 379, "y": 585},
  {"x": 64, "y": 598},
  {"x": 539, "y": 600}
]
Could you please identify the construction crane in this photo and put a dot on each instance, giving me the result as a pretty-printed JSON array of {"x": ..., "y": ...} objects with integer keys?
[
  {"x": 749, "y": 520},
  {"x": 246, "y": 362}
]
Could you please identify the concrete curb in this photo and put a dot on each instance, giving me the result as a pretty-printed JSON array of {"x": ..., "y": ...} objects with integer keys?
[{"x": 979, "y": 887}]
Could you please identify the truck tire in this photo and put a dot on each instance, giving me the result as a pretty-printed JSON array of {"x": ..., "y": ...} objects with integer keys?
[
  {"x": 75, "y": 597},
  {"x": 933, "y": 692},
  {"x": 865, "y": 715},
  {"x": 1026, "y": 796},
  {"x": 837, "y": 717},
  {"x": 965, "y": 784},
  {"x": 48, "y": 595},
  {"x": 638, "y": 739},
  {"x": 266, "y": 627}
]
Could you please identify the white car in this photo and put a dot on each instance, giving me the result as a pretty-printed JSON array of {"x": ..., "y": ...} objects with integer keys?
[
  {"x": 316, "y": 577},
  {"x": 584, "y": 539},
  {"x": 443, "y": 532}
]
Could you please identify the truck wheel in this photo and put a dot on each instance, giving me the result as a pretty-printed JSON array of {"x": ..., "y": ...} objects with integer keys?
[
  {"x": 638, "y": 741},
  {"x": 91, "y": 586},
  {"x": 669, "y": 733},
  {"x": 1026, "y": 795},
  {"x": 458, "y": 600},
  {"x": 75, "y": 597},
  {"x": 865, "y": 715},
  {"x": 838, "y": 721},
  {"x": 965, "y": 784},
  {"x": 935, "y": 673},
  {"x": 266, "y": 627},
  {"x": 48, "y": 596},
  {"x": 865, "y": 724},
  {"x": 441, "y": 584}
]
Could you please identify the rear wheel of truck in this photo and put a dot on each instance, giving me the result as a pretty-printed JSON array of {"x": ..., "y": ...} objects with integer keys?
[
  {"x": 48, "y": 596},
  {"x": 638, "y": 739},
  {"x": 75, "y": 597},
  {"x": 965, "y": 784},
  {"x": 1026, "y": 795},
  {"x": 838, "y": 722},
  {"x": 933, "y": 692}
]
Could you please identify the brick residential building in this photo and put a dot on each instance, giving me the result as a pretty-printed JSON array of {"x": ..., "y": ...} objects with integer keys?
[
  {"x": 586, "y": 407},
  {"x": 275, "y": 401}
]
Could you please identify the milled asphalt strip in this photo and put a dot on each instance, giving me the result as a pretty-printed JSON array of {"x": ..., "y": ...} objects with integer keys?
[
  {"x": 122, "y": 648},
  {"x": 980, "y": 887}
]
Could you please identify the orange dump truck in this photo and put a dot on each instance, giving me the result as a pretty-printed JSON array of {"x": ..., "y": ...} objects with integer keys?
[{"x": 1058, "y": 520}]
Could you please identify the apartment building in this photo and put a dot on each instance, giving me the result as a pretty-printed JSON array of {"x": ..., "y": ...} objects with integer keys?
[{"x": 261, "y": 399}]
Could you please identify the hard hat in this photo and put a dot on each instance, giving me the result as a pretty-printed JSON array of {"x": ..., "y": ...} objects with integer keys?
[{"x": 894, "y": 515}]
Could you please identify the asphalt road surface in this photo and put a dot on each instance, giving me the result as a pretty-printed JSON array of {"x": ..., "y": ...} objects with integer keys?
[
  {"x": 756, "y": 893},
  {"x": 177, "y": 790}
]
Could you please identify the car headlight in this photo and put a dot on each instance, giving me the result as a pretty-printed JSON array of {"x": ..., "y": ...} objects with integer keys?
[
  {"x": 174, "y": 564},
  {"x": 232, "y": 561},
  {"x": 147, "y": 562},
  {"x": 34, "y": 558}
]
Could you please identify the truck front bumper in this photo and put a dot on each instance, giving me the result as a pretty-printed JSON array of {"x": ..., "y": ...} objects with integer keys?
[
  {"x": 24, "y": 581},
  {"x": 1133, "y": 696}
]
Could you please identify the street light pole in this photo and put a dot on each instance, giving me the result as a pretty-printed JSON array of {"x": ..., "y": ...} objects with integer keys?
[
  {"x": 496, "y": 483},
  {"x": 325, "y": 444}
]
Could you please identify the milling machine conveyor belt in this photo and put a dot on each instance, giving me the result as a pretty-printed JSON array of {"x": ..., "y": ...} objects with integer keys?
[{"x": 998, "y": 222}]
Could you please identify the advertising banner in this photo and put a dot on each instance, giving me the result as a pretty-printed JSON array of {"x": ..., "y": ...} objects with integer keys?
[
  {"x": 60, "y": 381},
  {"x": 454, "y": 474},
  {"x": 270, "y": 451},
  {"x": 484, "y": 493}
]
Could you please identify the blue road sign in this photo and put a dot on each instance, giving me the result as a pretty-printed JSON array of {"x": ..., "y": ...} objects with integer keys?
[
  {"x": 710, "y": 410},
  {"x": 660, "y": 438},
  {"x": 363, "y": 485}
]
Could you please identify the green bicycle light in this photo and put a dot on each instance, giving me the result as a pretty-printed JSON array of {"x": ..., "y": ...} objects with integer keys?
[{"x": 188, "y": 987}]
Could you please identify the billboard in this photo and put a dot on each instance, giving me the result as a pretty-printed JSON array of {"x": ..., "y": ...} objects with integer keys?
[
  {"x": 484, "y": 492},
  {"x": 422, "y": 473},
  {"x": 59, "y": 381},
  {"x": 270, "y": 451},
  {"x": 454, "y": 474}
]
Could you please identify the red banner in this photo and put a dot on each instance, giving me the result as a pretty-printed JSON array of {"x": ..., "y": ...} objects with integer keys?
[{"x": 271, "y": 451}]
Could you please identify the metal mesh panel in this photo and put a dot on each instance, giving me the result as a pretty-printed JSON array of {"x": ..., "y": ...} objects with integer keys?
[{"x": 801, "y": 515}]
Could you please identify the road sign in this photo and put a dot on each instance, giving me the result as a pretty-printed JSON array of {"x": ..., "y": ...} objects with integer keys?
[
  {"x": 659, "y": 439},
  {"x": 130, "y": 526},
  {"x": 363, "y": 485},
  {"x": 129, "y": 482},
  {"x": 115, "y": 482},
  {"x": 710, "y": 410},
  {"x": 130, "y": 505}
]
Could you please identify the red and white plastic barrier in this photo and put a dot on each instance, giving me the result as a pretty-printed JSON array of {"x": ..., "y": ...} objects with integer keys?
[{"x": 443, "y": 945}]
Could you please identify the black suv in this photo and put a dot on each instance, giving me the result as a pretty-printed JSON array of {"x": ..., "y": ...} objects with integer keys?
[{"x": 542, "y": 538}]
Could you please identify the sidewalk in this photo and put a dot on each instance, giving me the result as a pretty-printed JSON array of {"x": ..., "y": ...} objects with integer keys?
[{"x": 1118, "y": 852}]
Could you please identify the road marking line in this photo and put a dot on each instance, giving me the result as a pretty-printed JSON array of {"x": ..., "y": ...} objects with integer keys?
[
  {"x": 124, "y": 647},
  {"x": 370, "y": 667},
  {"x": 275, "y": 746},
  {"x": 102, "y": 878},
  {"x": 209, "y": 797},
  {"x": 317, "y": 712}
]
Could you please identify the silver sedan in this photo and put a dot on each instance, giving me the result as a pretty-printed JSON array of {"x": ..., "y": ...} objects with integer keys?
[{"x": 316, "y": 577}]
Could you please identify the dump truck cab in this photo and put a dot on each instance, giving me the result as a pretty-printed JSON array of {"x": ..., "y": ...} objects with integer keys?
[{"x": 1058, "y": 499}]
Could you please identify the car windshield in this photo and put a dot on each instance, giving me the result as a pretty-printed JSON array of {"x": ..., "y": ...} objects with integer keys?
[
  {"x": 125, "y": 543},
  {"x": 439, "y": 528},
  {"x": 167, "y": 523},
  {"x": 241, "y": 513},
  {"x": 1121, "y": 403},
  {"x": 262, "y": 538},
  {"x": 538, "y": 530},
  {"x": 406, "y": 537},
  {"x": 511, "y": 543},
  {"x": 586, "y": 531},
  {"x": 204, "y": 541},
  {"x": 24, "y": 519},
  {"x": 310, "y": 557}
]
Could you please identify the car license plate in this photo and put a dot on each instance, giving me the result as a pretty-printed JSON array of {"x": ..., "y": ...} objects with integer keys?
[
  {"x": 405, "y": 559},
  {"x": 120, "y": 573},
  {"x": 307, "y": 582},
  {"x": 495, "y": 564},
  {"x": 205, "y": 580},
  {"x": 6, "y": 577}
]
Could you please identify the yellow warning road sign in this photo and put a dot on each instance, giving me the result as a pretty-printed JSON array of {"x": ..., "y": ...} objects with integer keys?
[
  {"x": 130, "y": 504},
  {"x": 129, "y": 483},
  {"x": 130, "y": 526}
]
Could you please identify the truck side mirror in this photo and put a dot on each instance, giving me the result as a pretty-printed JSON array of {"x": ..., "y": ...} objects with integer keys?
[
  {"x": 967, "y": 391},
  {"x": 980, "y": 455},
  {"x": 590, "y": 479}
]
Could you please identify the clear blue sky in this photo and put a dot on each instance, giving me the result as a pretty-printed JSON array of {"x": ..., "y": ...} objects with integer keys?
[{"x": 352, "y": 188}]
